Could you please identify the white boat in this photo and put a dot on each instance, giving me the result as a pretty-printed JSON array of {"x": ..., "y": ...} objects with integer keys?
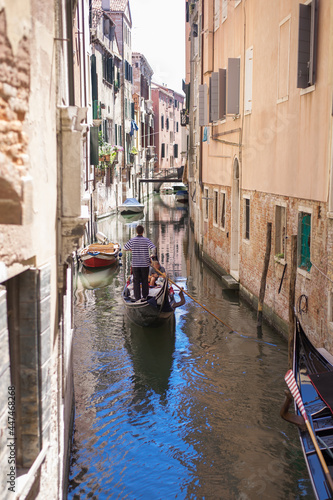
[{"x": 131, "y": 206}]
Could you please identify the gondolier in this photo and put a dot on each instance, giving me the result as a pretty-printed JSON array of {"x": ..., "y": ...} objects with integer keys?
[{"x": 140, "y": 246}]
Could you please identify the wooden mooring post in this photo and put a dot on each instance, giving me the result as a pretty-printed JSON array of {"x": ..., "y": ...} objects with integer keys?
[
  {"x": 264, "y": 275},
  {"x": 292, "y": 287}
]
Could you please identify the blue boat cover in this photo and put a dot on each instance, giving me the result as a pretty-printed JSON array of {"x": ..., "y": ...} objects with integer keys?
[{"x": 132, "y": 202}]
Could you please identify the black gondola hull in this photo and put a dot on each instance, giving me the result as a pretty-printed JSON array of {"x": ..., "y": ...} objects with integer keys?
[{"x": 307, "y": 362}]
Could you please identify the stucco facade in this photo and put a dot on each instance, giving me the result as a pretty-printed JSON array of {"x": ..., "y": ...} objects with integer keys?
[
  {"x": 168, "y": 105},
  {"x": 261, "y": 149}
]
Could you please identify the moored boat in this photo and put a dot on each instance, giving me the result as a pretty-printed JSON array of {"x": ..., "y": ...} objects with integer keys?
[
  {"x": 103, "y": 254},
  {"x": 313, "y": 371},
  {"x": 156, "y": 309},
  {"x": 181, "y": 196},
  {"x": 131, "y": 206}
]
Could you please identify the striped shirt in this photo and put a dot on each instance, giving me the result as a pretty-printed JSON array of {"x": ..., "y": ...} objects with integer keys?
[{"x": 140, "y": 250}]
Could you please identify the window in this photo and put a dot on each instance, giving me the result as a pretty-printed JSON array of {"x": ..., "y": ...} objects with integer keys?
[
  {"x": 162, "y": 122},
  {"x": 108, "y": 69},
  {"x": 222, "y": 202},
  {"x": 283, "y": 66},
  {"x": 247, "y": 218},
  {"x": 280, "y": 231},
  {"x": 205, "y": 204},
  {"x": 307, "y": 44},
  {"x": 304, "y": 241},
  {"x": 163, "y": 150},
  {"x": 216, "y": 208},
  {"x": 167, "y": 123},
  {"x": 175, "y": 150}
]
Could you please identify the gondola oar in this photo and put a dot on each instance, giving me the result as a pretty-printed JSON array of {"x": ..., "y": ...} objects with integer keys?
[{"x": 291, "y": 383}]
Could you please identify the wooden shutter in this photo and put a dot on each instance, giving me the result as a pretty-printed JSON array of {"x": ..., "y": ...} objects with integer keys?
[
  {"x": 222, "y": 93},
  {"x": 248, "y": 80},
  {"x": 313, "y": 42},
  {"x": 304, "y": 34},
  {"x": 94, "y": 88},
  {"x": 233, "y": 85},
  {"x": 94, "y": 146},
  {"x": 214, "y": 97},
  {"x": 203, "y": 105}
]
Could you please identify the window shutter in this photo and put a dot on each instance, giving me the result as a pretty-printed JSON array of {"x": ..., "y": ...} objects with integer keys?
[
  {"x": 304, "y": 32},
  {"x": 214, "y": 97},
  {"x": 313, "y": 42},
  {"x": 94, "y": 90},
  {"x": 248, "y": 79},
  {"x": 94, "y": 159},
  {"x": 222, "y": 93},
  {"x": 233, "y": 85},
  {"x": 203, "y": 105},
  {"x": 175, "y": 150}
]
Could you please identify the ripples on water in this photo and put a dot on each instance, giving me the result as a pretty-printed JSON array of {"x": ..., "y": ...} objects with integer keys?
[{"x": 188, "y": 411}]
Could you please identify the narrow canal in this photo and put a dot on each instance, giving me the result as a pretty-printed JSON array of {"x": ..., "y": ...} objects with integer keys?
[{"x": 189, "y": 411}]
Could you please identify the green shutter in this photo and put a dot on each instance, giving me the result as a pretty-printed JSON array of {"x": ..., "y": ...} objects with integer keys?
[
  {"x": 94, "y": 89},
  {"x": 94, "y": 146}
]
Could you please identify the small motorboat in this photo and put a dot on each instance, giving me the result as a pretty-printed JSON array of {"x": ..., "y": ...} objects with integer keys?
[
  {"x": 131, "y": 206},
  {"x": 313, "y": 371},
  {"x": 156, "y": 309},
  {"x": 181, "y": 196},
  {"x": 100, "y": 254}
]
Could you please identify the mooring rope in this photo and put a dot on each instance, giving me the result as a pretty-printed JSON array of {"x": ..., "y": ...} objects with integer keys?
[{"x": 212, "y": 314}]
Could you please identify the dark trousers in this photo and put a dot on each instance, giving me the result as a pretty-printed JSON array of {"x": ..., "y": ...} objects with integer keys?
[{"x": 140, "y": 275}]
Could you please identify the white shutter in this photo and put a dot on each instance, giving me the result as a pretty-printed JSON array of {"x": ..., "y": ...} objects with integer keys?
[{"x": 248, "y": 80}]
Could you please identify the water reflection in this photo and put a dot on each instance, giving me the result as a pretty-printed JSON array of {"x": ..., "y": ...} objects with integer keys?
[
  {"x": 190, "y": 411},
  {"x": 151, "y": 352}
]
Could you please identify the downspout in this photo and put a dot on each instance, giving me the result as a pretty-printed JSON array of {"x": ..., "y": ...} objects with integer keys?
[{"x": 201, "y": 61}]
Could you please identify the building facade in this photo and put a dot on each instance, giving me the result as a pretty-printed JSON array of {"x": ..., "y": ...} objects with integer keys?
[
  {"x": 260, "y": 149},
  {"x": 106, "y": 67},
  {"x": 168, "y": 106},
  {"x": 44, "y": 150},
  {"x": 143, "y": 126}
]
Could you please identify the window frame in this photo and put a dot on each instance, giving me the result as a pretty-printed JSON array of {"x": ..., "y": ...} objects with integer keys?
[
  {"x": 301, "y": 268},
  {"x": 222, "y": 210}
]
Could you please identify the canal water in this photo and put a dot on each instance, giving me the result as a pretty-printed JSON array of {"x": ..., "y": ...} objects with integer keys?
[{"x": 186, "y": 411}]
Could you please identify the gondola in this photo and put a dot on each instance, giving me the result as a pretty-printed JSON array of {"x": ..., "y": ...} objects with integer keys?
[
  {"x": 313, "y": 372},
  {"x": 156, "y": 309}
]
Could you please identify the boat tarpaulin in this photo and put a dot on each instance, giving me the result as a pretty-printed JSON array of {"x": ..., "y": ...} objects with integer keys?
[{"x": 323, "y": 383}]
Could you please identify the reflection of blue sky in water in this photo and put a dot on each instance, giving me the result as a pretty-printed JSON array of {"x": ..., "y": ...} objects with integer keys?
[{"x": 189, "y": 415}]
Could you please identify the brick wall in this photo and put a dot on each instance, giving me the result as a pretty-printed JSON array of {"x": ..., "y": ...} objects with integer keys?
[
  {"x": 14, "y": 95},
  {"x": 314, "y": 286}
]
